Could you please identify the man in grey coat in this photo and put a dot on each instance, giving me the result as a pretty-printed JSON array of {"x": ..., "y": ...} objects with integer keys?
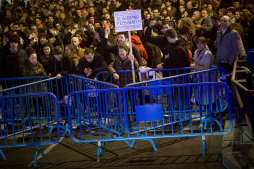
[
  {"x": 206, "y": 25},
  {"x": 228, "y": 46}
]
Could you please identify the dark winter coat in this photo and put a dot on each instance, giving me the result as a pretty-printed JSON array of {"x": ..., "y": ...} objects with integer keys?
[
  {"x": 12, "y": 64},
  {"x": 108, "y": 57},
  {"x": 154, "y": 54},
  {"x": 178, "y": 56},
  {"x": 120, "y": 64},
  {"x": 97, "y": 65},
  {"x": 62, "y": 67},
  {"x": 206, "y": 28},
  {"x": 29, "y": 71}
]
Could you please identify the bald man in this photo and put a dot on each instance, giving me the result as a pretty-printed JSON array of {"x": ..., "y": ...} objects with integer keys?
[
  {"x": 75, "y": 43},
  {"x": 228, "y": 46}
]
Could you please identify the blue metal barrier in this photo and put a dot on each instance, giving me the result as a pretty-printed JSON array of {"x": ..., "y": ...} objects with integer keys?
[
  {"x": 6, "y": 83},
  {"x": 24, "y": 117},
  {"x": 78, "y": 83},
  {"x": 145, "y": 118},
  {"x": 210, "y": 75},
  {"x": 151, "y": 74},
  {"x": 107, "y": 111},
  {"x": 27, "y": 108}
]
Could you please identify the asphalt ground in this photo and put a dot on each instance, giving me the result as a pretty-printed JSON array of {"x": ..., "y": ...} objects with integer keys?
[{"x": 184, "y": 152}]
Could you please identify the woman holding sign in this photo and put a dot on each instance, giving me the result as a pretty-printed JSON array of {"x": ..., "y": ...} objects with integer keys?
[
  {"x": 123, "y": 62},
  {"x": 122, "y": 39}
]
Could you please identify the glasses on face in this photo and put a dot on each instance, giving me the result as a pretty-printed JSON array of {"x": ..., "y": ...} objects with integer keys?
[{"x": 165, "y": 27}]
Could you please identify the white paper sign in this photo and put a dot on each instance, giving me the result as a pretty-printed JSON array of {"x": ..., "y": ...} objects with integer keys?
[{"x": 128, "y": 20}]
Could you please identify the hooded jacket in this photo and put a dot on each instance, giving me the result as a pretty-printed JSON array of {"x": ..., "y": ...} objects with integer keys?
[{"x": 135, "y": 41}]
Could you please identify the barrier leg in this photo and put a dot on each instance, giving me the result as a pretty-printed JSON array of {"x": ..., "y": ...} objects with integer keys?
[
  {"x": 150, "y": 140},
  {"x": 99, "y": 151},
  {"x": 61, "y": 131},
  {"x": 203, "y": 145},
  {"x": 208, "y": 119},
  {"x": 2, "y": 154},
  {"x": 65, "y": 131},
  {"x": 130, "y": 144},
  {"x": 36, "y": 154}
]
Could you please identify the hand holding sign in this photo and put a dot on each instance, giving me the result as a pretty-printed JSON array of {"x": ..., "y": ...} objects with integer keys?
[{"x": 131, "y": 57}]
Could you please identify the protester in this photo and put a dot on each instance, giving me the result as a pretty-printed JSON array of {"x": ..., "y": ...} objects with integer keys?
[
  {"x": 46, "y": 26},
  {"x": 91, "y": 64}
]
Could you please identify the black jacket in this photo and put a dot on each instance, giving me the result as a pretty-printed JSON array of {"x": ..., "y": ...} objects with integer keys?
[
  {"x": 178, "y": 56},
  {"x": 154, "y": 54},
  {"x": 159, "y": 41},
  {"x": 12, "y": 64},
  {"x": 114, "y": 50},
  {"x": 108, "y": 57},
  {"x": 62, "y": 67},
  {"x": 97, "y": 65},
  {"x": 121, "y": 8}
]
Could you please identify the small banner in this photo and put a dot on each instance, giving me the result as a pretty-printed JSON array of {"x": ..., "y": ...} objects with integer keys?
[{"x": 128, "y": 20}]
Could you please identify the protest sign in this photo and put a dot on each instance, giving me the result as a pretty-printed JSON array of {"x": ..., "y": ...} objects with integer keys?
[{"x": 128, "y": 20}]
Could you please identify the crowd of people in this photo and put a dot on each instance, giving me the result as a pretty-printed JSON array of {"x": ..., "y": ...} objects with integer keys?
[{"x": 59, "y": 37}]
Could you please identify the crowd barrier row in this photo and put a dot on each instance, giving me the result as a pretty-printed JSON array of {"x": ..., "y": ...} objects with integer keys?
[
  {"x": 115, "y": 110},
  {"x": 101, "y": 107}
]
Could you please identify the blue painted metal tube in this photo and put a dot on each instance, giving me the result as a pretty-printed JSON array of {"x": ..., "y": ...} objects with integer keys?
[
  {"x": 105, "y": 76},
  {"x": 18, "y": 130},
  {"x": 205, "y": 111}
]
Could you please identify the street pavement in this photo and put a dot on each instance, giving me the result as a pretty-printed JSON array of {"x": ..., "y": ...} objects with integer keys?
[{"x": 176, "y": 153}]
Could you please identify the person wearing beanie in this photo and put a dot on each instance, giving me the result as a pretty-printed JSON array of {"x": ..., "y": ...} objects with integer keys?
[{"x": 12, "y": 59}]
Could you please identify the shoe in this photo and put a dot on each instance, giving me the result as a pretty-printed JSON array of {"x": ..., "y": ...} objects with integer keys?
[
  {"x": 26, "y": 125},
  {"x": 9, "y": 126},
  {"x": 74, "y": 122},
  {"x": 66, "y": 124},
  {"x": 62, "y": 121}
]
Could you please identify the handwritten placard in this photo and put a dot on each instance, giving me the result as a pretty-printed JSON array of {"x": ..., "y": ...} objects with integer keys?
[{"x": 128, "y": 20}]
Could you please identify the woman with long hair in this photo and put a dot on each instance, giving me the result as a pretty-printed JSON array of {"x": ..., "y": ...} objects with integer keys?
[
  {"x": 164, "y": 13},
  {"x": 186, "y": 33},
  {"x": 71, "y": 52},
  {"x": 245, "y": 20},
  {"x": 46, "y": 53}
]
